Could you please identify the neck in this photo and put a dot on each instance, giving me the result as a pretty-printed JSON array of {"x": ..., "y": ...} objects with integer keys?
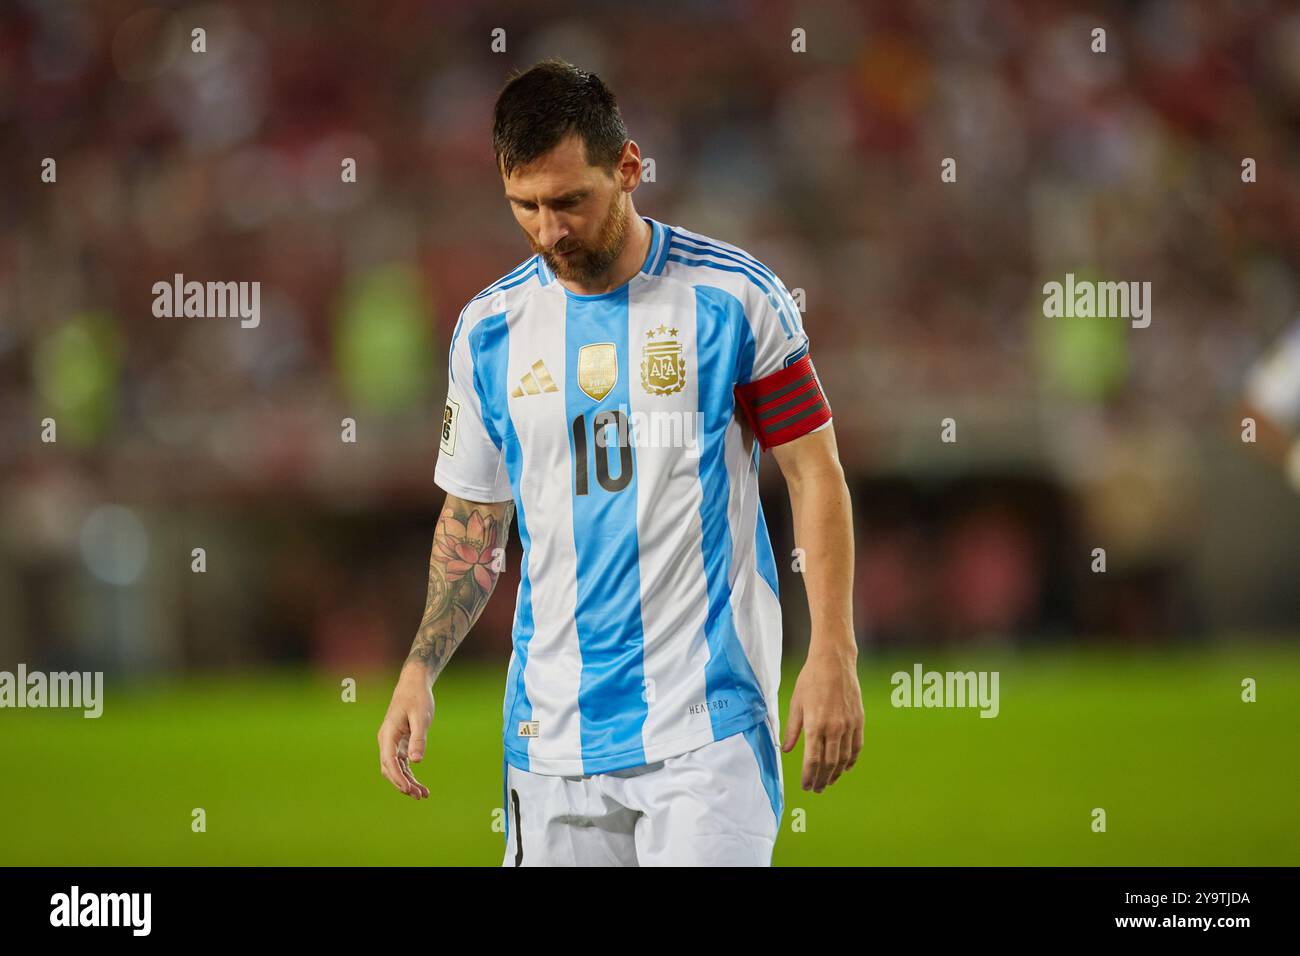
[{"x": 627, "y": 264}]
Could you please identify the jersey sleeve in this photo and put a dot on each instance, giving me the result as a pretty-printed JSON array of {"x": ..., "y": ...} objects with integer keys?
[
  {"x": 781, "y": 397},
  {"x": 471, "y": 464}
]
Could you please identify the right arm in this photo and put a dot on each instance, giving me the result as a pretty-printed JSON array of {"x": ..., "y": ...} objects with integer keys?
[{"x": 463, "y": 570}]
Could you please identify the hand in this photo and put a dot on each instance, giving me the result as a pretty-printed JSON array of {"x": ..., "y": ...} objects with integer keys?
[
  {"x": 403, "y": 732},
  {"x": 827, "y": 705}
]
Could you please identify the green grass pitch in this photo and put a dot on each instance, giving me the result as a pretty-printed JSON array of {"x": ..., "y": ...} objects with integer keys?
[{"x": 287, "y": 773}]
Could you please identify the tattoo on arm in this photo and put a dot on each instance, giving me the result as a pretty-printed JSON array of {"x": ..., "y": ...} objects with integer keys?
[{"x": 467, "y": 558}]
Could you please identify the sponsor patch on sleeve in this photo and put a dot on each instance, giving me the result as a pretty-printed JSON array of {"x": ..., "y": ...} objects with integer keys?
[{"x": 449, "y": 416}]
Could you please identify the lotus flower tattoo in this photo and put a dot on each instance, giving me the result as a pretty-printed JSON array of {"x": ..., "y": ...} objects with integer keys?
[{"x": 468, "y": 547}]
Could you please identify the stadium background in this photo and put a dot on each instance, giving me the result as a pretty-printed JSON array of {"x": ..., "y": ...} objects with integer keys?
[{"x": 1118, "y": 690}]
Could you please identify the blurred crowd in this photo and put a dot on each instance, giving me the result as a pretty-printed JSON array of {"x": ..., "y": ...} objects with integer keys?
[{"x": 923, "y": 297}]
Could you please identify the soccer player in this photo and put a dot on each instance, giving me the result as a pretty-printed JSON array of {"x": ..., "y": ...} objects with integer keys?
[{"x": 612, "y": 395}]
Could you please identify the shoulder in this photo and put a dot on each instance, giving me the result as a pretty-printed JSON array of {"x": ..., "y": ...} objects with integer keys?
[
  {"x": 503, "y": 295},
  {"x": 703, "y": 260}
]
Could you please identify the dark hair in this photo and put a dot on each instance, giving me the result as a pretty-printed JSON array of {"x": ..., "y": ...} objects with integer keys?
[{"x": 537, "y": 109}]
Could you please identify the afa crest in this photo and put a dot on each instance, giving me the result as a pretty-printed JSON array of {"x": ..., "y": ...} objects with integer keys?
[{"x": 663, "y": 370}]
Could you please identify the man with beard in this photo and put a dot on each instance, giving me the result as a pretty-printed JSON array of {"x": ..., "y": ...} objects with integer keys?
[{"x": 640, "y": 711}]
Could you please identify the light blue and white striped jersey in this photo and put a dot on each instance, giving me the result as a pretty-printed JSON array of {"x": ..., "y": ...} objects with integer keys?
[{"x": 647, "y": 620}]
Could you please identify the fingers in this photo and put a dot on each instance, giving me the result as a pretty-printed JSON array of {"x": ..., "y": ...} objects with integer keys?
[
  {"x": 821, "y": 758},
  {"x": 792, "y": 728},
  {"x": 416, "y": 789},
  {"x": 831, "y": 761},
  {"x": 846, "y": 756},
  {"x": 812, "y": 758},
  {"x": 402, "y": 738},
  {"x": 418, "y": 730},
  {"x": 392, "y": 739},
  {"x": 832, "y": 729},
  {"x": 412, "y": 751},
  {"x": 855, "y": 747},
  {"x": 388, "y": 752},
  {"x": 829, "y": 750}
]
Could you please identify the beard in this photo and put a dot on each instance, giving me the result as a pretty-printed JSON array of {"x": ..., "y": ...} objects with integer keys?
[{"x": 592, "y": 262}]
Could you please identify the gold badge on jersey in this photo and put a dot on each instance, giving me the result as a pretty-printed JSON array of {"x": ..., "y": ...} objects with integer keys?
[
  {"x": 663, "y": 370},
  {"x": 597, "y": 369}
]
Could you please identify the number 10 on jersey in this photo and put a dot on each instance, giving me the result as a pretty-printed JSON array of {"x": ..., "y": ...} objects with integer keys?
[{"x": 600, "y": 424}]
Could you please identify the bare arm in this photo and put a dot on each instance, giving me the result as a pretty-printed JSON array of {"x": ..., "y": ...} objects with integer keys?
[
  {"x": 463, "y": 569},
  {"x": 827, "y": 700},
  {"x": 466, "y": 559}
]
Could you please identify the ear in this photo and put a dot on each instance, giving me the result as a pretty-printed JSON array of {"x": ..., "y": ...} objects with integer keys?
[{"x": 629, "y": 164}]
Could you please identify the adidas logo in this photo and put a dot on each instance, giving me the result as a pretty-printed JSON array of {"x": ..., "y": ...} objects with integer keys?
[{"x": 535, "y": 382}]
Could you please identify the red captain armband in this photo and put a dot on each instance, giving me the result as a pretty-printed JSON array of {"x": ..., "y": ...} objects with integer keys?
[{"x": 784, "y": 405}]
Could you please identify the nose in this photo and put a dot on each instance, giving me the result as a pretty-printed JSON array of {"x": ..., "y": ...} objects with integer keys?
[{"x": 551, "y": 231}]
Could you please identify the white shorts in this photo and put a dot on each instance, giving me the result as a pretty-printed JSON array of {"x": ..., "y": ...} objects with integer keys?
[{"x": 717, "y": 805}]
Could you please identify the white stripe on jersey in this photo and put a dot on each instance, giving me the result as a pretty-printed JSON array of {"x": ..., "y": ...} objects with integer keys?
[
  {"x": 554, "y": 666},
  {"x": 674, "y": 603}
]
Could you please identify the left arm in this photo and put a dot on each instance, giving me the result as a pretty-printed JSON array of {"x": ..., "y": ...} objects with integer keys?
[{"x": 827, "y": 700}]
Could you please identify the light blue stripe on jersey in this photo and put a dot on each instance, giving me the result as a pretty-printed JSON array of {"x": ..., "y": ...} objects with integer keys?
[
  {"x": 720, "y": 328},
  {"x": 521, "y": 273},
  {"x": 658, "y": 239},
  {"x": 663, "y": 235},
  {"x": 608, "y": 613},
  {"x": 760, "y": 741},
  {"x": 490, "y": 346},
  {"x": 763, "y": 555}
]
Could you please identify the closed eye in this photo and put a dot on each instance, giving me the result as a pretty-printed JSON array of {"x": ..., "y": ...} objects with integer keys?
[{"x": 565, "y": 202}]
